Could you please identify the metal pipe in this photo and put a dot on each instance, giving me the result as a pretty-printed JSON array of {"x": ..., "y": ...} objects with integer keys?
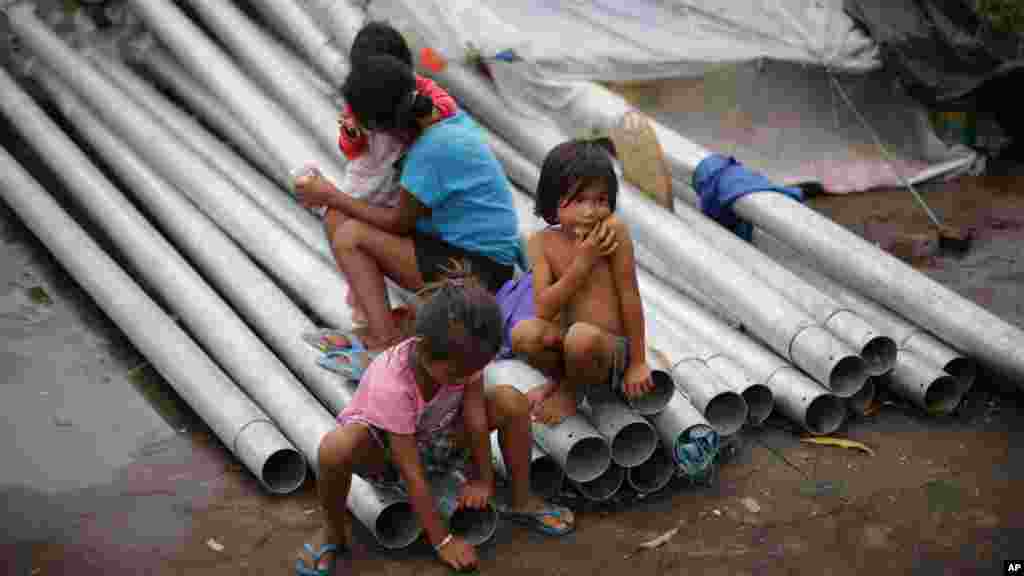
[
  {"x": 925, "y": 384},
  {"x": 546, "y": 477},
  {"x": 341, "y": 20},
  {"x": 632, "y": 438},
  {"x": 161, "y": 67},
  {"x": 242, "y": 427},
  {"x": 252, "y": 293},
  {"x": 268, "y": 61},
  {"x": 877, "y": 350},
  {"x": 677, "y": 423},
  {"x": 474, "y": 526},
  {"x": 654, "y": 473},
  {"x": 577, "y": 447},
  {"x": 279, "y": 133},
  {"x": 796, "y": 396},
  {"x": 781, "y": 324},
  {"x": 603, "y": 487},
  {"x": 304, "y": 272},
  {"x": 723, "y": 407},
  {"x": 650, "y": 262},
  {"x": 860, "y": 402},
  {"x": 300, "y": 28},
  {"x": 908, "y": 337},
  {"x": 278, "y": 204}
]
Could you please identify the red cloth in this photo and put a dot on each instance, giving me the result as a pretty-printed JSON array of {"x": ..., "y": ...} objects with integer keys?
[{"x": 352, "y": 141}]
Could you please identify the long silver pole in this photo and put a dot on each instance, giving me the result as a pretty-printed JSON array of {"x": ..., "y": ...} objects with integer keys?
[
  {"x": 654, "y": 474},
  {"x": 796, "y": 396},
  {"x": 274, "y": 200},
  {"x": 877, "y": 350},
  {"x": 267, "y": 309},
  {"x": 925, "y": 384},
  {"x": 305, "y": 273},
  {"x": 278, "y": 132},
  {"x": 169, "y": 74},
  {"x": 243, "y": 428},
  {"x": 605, "y": 486},
  {"x": 267, "y": 60},
  {"x": 546, "y": 477},
  {"x": 577, "y": 447},
  {"x": 341, "y": 20},
  {"x": 631, "y": 437},
  {"x": 301, "y": 29},
  {"x": 677, "y": 423}
]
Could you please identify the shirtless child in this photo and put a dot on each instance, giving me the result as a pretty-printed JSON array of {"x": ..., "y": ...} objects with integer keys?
[{"x": 589, "y": 324}]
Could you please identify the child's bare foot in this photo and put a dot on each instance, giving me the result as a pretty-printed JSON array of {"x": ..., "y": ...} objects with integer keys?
[
  {"x": 560, "y": 405},
  {"x": 538, "y": 394}
]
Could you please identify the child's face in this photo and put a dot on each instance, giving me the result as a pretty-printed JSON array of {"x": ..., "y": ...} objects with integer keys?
[
  {"x": 582, "y": 211},
  {"x": 457, "y": 370}
]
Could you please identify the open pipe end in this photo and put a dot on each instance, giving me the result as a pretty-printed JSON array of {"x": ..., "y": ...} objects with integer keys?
[
  {"x": 634, "y": 444},
  {"x": 284, "y": 471},
  {"x": 760, "y": 403},
  {"x": 604, "y": 486},
  {"x": 726, "y": 413},
  {"x": 859, "y": 402},
  {"x": 847, "y": 376},
  {"x": 397, "y": 526},
  {"x": 655, "y": 401},
  {"x": 653, "y": 474},
  {"x": 588, "y": 458},
  {"x": 825, "y": 414},
  {"x": 964, "y": 370},
  {"x": 546, "y": 478},
  {"x": 475, "y": 526},
  {"x": 879, "y": 353},
  {"x": 943, "y": 395}
]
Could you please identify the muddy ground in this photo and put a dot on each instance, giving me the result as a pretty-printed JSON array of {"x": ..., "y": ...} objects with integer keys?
[{"x": 106, "y": 471}]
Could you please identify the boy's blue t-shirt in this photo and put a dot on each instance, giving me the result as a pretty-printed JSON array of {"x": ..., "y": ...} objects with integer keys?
[{"x": 451, "y": 169}]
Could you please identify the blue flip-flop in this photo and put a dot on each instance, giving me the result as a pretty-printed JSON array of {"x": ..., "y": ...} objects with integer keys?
[
  {"x": 350, "y": 362},
  {"x": 302, "y": 570},
  {"x": 535, "y": 520}
]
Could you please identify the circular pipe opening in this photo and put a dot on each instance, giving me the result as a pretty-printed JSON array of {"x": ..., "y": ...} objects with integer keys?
[
  {"x": 760, "y": 403},
  {"x": 943, "y": 395},
  {"x": 860, "y": 401},
  {"x": 475, "y": 526},
  {"x": 880, "y": 355},
  {"x": 825, "y": 414},
  {"x": 396, "y": 526},
  {"x": 726, "y": 413},
  {"x": 655, "y": 401},
  {"x": 604, "y": 486},
  {"x": 588, "y": 458},
  {"x": 634, "y": 444},
  {"x": 653, "y": 474},
  {"x": 284, "y": 471},
  {"x": 964, "y": 370},
  {"x": 847, "y": 376},
  {"x": 546, "y": 477}
]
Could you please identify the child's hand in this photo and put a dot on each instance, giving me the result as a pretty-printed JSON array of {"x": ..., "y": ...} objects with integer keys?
[
  {"x": 474, "y": 495},
  {"x": 637, "y": 380},
  {"x": 312, "y": 191},
  {"x": 599, "y": 242},
  {"x": 458, "y": 554}
]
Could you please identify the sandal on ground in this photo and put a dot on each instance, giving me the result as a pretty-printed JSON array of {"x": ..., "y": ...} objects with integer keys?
[
  {"x": 302, "y": 570},
  {"x": 536, "y": 520}
]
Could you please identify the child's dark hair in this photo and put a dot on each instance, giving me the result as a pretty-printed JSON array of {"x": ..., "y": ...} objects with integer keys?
[
  {"x": 571, "y": 166},
  {"x": 381, "y": 90},
  {"x": 379, "y": 37},
  {"x": 458, "y": 315}
]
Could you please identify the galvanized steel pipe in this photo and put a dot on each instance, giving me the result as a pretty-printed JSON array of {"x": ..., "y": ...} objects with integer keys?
[
  {"x": 877, "y": 350},
  {"x": 631, "y": 438},
  {"x": 340, "y": 19},
  {"x": 578, "y": 448},
  {"x": 267, "y": 60},
  {"x": 603, "y": 487},
  {"x": 860, "y": 402},
  {"x": 243, "y": 428},
  {"x": 301, "y": 29},
  {"x": 307, "y": 274},
  {"x": 277, "y": 131},
  {"x": 653, "y": 474},
  {"x": 474, "y": 526},
  {"x": 925, "y": 384},
  {"x": 273, "y": 199},
  {"x": 677, "y": 422},
  {"x": 546, "y": 477},
  {"x": 796, "y": 396}
]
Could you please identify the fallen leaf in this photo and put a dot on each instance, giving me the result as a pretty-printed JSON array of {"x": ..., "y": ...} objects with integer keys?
[
  {"x": 214, "y": 545},
  {"x": 751, "y": 505},
  {"x": 841, "y": 442},
  {"x": 655, "y": 543}
]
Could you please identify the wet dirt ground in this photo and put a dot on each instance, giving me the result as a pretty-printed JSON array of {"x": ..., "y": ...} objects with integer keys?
[{"x": 106, "y": 471}]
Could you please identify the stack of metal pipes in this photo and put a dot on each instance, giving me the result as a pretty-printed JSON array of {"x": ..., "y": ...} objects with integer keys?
[{"x": 810, "y": 344}]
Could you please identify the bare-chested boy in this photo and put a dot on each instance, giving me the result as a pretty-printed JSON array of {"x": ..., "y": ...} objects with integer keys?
[{"x": 589, "y": 323}]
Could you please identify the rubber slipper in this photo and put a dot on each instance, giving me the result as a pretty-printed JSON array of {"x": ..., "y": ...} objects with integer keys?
[
  {"x": 351, "y": 363},
  {"x": 535, "y": 520},
  {"x": 329, "y": 339},
  {"x": 302, "y": 570}
]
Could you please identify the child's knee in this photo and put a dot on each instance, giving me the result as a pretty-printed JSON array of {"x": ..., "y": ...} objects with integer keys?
[
  {"x": 337, "y": 449},
  {"x": 583, "y": 342},
  {"x": 527, "y": 337},
  {"x": 509, "y": 402}
]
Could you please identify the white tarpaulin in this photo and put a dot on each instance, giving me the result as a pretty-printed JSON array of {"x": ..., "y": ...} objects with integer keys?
[{"x": 749, "y": 79}]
